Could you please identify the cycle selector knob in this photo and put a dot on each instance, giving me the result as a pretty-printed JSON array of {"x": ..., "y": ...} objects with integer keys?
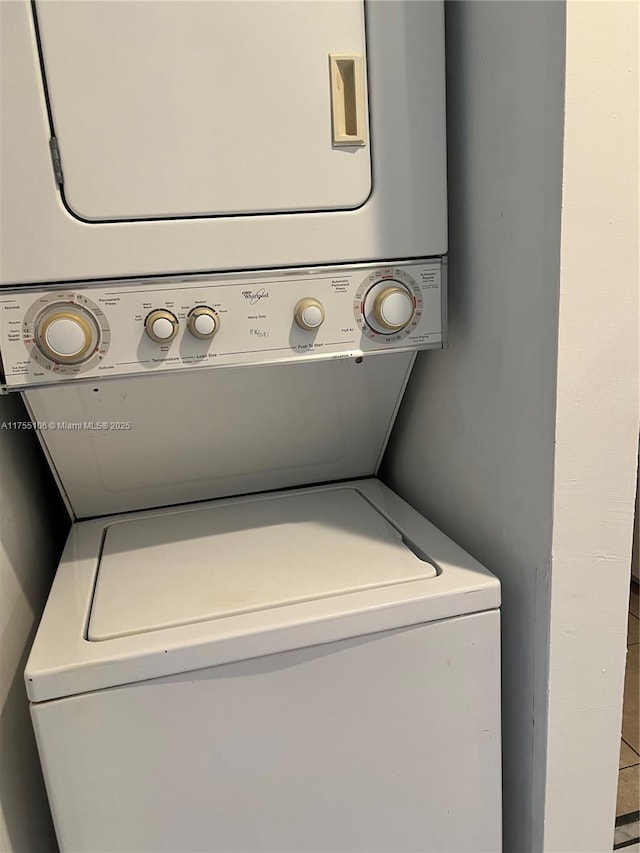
[
  {"x": 309, "y": 314},
  {"x": 203, "y": 322},
  {"x": 66, "y": 333},
  {"x": 389, "y": 307},
  {"x": 161, "y": 326}
]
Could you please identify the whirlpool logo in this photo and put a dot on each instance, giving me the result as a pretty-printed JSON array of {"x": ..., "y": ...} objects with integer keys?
[{"x": 255, "y": 295}]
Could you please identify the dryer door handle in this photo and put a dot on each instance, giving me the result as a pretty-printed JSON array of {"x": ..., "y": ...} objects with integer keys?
[{"x": 348, "y": 99}]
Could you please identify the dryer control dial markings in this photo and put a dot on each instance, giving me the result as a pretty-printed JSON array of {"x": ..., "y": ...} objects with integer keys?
[{"x": 388, "y": 305}]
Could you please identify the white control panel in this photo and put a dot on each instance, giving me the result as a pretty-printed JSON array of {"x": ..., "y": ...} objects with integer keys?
[{"x": 91, "y": 331}]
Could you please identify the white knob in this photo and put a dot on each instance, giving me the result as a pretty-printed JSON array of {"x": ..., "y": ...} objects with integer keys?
[
  {"x": 394, "y": 308},
  {"x": 309, "y": 314},
  {"x": 161, "y": 326},
  {"x": 66, "y": 333},
  {"x": 66, "y": 337},
  {"x": 388, "y": 306},
  {"x": 203, "y": 322}
]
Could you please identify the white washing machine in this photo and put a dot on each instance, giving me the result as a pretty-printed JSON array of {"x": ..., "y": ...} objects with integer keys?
[
  {"x": 305, "y": 670},
  {"x": 308, "y": 670}
]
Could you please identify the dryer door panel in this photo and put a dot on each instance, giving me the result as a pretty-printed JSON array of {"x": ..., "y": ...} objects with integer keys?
[{"x": 183, "y": 109}]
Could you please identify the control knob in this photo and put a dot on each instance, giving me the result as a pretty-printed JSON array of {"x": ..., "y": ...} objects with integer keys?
[
  {"x": 66, "y": 333},
  {"x": 309, "y": 314},
  {"x": 161, "y": 326},
  {"x": 389, "y": 307},
  {"x": 203, "y": 322}
]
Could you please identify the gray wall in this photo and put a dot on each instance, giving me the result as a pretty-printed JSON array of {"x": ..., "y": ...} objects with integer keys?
[
  {"x": 473, "y": 448},
  {"x": 33, "y": 526}
]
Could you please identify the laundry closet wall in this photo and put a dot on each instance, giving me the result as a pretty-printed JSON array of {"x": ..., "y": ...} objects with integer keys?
[
  {"x": 33, "y": 527},
  {"x": 520, "y": 440}
]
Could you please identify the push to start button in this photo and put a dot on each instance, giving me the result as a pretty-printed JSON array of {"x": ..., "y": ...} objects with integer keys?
[{"x": 309, "y": 314}]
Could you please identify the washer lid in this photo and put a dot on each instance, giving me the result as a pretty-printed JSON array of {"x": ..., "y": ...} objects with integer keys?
[{"x": 199, "y": 565}]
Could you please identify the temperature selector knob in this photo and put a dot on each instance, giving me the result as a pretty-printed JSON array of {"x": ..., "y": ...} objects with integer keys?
[
  {"x": 309, "y": 314},
  {"x": 66, "y": 333},
  {"x": 203, "y": 322},
  {"x": 161, "y": 326},
  {"x": 389, "y": 307}
]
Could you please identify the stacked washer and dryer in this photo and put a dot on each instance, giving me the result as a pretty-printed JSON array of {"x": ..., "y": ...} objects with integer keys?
[{"x": 223, "y": 235}]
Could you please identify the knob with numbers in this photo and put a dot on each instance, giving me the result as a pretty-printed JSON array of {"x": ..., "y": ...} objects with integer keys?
[
  {"x": 389, "y": 306},
  {"x": 66, "y": 333},
  {"x": 309, "y": 314},
  {"x": 203, "y": 322},
  {"x": 161, "y": 326}
]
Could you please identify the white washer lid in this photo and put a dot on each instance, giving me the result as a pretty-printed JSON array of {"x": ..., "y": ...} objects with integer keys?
[{"x": 198, "y": 565}]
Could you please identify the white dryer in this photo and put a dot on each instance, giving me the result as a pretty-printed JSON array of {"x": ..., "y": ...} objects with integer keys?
[
  {"x": 307, "y": 670},
  {"x": 153, "y": 138}
]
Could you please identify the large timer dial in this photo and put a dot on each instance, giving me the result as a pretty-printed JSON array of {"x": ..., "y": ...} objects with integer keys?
[
  {"x": 388, "y": 305},
  {"x": 66, "y": 333}
]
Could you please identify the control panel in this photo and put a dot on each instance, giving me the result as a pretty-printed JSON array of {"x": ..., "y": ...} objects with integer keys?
[{"x": 91, "y": 331}]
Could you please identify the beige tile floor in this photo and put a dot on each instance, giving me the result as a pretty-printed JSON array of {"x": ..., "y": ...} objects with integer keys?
[{"x": 629, "y": 774}]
